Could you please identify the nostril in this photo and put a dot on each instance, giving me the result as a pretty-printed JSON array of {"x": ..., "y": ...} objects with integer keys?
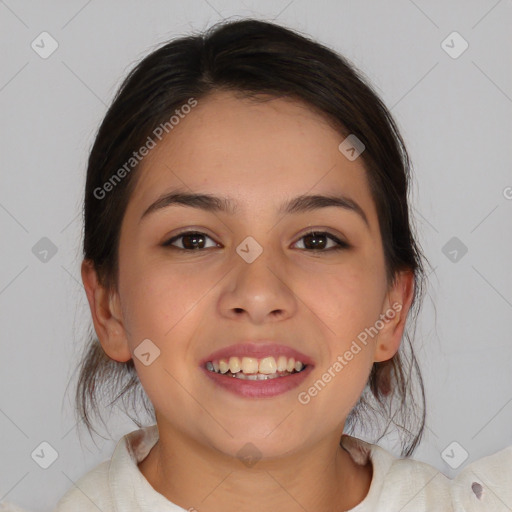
[{"x": 477, "y": 489}]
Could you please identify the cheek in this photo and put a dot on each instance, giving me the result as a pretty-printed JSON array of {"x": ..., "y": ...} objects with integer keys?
[
  {"x": 159, "y": 295},
  {"x": 346, "y": 302},
  {"x": 346, "y": 298},
  {"x": 161, "y": 304}
]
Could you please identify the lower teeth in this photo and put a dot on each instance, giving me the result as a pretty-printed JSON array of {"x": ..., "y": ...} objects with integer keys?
[{"x": 258, "y": 376}]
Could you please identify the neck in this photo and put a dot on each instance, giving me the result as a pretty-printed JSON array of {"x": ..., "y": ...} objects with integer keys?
[{"x": 195, "y": 476}]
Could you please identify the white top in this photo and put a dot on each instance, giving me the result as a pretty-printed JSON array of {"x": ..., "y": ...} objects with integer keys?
[{"x": 117, "y": 485}]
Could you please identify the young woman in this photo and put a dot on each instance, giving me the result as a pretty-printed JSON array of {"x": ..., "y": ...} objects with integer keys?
[{"x": 250, "y": 266}]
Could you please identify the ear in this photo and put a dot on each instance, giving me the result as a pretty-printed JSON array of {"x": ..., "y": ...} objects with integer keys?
[
  {"x": 106, "y": 315},
  {"x": 394, "y": 314}
]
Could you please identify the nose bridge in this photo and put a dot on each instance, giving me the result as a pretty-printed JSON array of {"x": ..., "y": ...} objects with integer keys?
[{"x": 258, "y": 261}]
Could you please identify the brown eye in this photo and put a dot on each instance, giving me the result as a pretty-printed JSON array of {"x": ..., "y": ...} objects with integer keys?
[
  {"x": 318, "y": 241},
  {"x": 191, "y": 241}
]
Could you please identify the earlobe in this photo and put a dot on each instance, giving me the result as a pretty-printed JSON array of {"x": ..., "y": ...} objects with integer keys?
[
  {"x": 106, "y": 315},
  {"x": 396, "y": 307}
]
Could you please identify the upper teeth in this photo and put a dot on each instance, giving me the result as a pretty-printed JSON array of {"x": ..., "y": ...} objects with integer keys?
[{"x": 267, "y": 365}]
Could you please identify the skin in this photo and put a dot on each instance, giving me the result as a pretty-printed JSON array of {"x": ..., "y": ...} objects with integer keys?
[{"x": 190, "y": 304}]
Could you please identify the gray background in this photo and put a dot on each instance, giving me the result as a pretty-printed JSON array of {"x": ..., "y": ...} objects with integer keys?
[{"x": 455, "y": 116}]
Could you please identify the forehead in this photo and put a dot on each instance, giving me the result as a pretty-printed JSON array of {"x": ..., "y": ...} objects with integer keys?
[{"x": 257, "y": 153}]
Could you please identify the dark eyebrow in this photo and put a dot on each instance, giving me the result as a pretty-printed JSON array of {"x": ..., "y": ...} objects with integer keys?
[{"x": 211, "y": 203}]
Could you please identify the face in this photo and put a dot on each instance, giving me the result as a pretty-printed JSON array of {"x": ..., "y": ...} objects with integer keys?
[{"x": 307, "y": 292}]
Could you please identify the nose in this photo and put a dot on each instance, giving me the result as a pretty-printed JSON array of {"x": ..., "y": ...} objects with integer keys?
[{"x": 258, "y": 290}]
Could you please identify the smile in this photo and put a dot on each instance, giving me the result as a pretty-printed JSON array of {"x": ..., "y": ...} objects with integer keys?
[
  {"x": 250, "y": 368},
  {"x": 253, "y": 378}
]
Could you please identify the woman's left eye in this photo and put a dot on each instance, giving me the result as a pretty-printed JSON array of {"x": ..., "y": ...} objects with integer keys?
[{"x": 314, "y": 241}]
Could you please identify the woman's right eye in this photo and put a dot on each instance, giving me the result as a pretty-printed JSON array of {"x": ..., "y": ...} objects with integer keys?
[{"x": 191, "y": 241}]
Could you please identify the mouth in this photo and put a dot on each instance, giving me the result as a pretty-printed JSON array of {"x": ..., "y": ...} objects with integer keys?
[
  {"x": 248, "y": 368},
  {"x": 257, "y": 370}
]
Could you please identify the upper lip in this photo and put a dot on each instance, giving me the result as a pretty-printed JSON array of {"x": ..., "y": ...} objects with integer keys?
[{"x": 257, "y": 350}]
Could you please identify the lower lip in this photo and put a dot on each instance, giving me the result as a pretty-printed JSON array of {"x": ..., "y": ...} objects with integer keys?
[{"x": 259, "y": 388}]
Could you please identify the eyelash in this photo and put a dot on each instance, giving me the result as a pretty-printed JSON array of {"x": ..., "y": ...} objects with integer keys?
[{"x": 341, "y": 244}]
